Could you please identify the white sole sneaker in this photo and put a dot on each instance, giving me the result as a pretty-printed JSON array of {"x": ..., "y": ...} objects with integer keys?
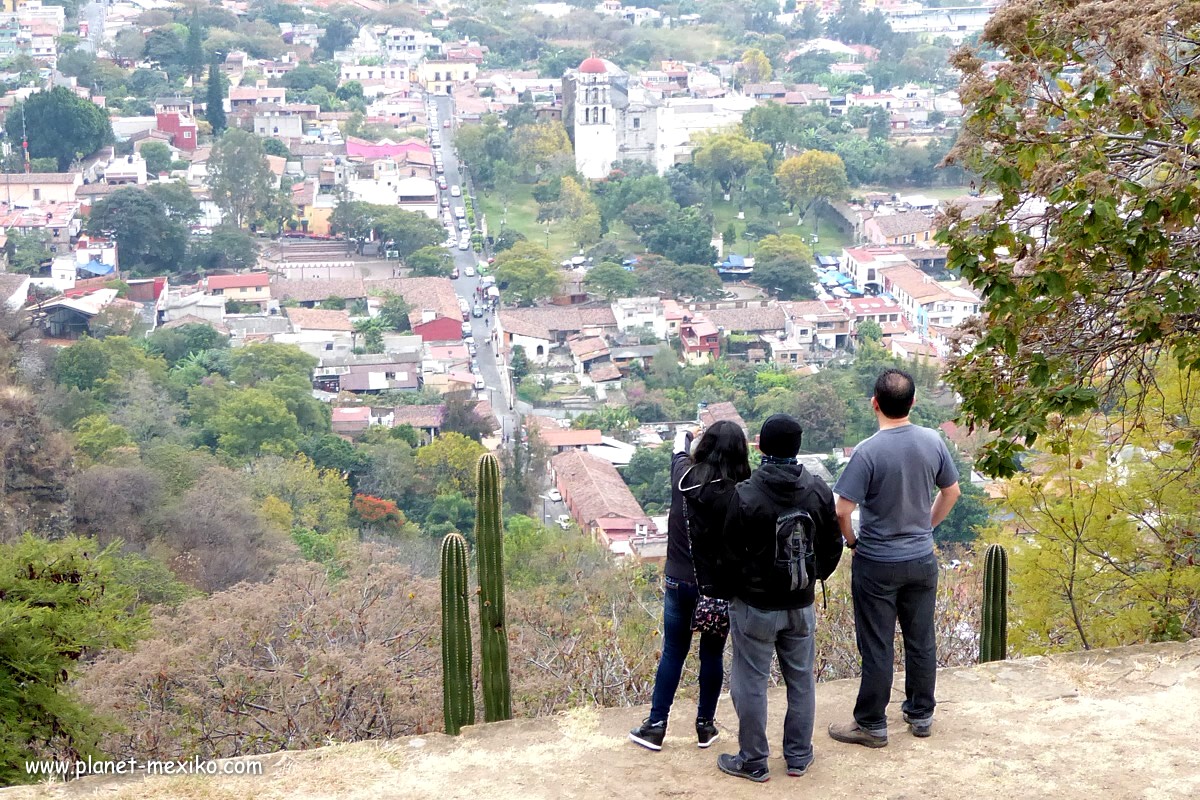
[
  {"x": 644, "y": 743},
  {"x": 709, "y": 743}
]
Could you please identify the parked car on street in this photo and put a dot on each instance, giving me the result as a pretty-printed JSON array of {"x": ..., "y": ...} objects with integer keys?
[
  {"x": 455, "y": 191},
  {"x": 555, "y": 496}
]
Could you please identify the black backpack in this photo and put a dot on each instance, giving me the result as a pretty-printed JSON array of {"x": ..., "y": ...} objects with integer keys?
[{"x": 795, "y": 530}]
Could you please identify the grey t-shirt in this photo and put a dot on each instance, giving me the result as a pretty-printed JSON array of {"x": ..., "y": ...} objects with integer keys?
[{"x": 892, "y": 476}]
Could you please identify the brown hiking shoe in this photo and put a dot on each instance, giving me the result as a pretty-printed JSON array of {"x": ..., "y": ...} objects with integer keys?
[{"x": 850, "y": 733}]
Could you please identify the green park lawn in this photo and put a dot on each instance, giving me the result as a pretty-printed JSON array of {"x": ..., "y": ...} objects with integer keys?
[
  {"x": 724, "y": 213},
  {"x": 522, "y": 216}
]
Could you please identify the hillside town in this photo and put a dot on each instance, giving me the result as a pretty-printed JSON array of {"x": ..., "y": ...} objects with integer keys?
[{"x": 312, "y": 284}]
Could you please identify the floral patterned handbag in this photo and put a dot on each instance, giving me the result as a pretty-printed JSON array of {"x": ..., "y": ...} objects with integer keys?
[{"x": 711, "y": 616}]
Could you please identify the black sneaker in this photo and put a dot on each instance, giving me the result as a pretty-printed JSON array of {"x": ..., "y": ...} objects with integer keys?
[
  {"x": 921, "y": 728},
  {"x": 706, "y": 733},
  {"x": 733, "y": 765},
  {"x": 650, "y": 734},
  {"x": 798, "y": 772}
]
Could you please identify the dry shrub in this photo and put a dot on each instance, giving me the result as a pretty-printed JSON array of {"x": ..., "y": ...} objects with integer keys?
[
  {"x": 295, "y": 663},
  {"x": 115, "y": 502},
  {"x": 35, "y": 465}
]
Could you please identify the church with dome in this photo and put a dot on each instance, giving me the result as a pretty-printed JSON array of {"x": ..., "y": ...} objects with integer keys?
[{"x": 613, "y": 116}]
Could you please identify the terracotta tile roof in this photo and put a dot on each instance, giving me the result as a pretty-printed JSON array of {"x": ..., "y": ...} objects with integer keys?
[
  {"x": 436, "y": 294},
  {"x": 569, "y": 437},
  {"x": 248, "y": 280},
  {"x": 904, "y": 224},
  {"x": 593, "y": 489},
  {"x": 320, "y": 319},
  {"x": 312, "y": 291},
  {"x": 605, "y": 372},
  {"x": 588, "y": 348},
  {"x": 546, "y": 322},
  {"x": 715, "y": 412},
  {"x": 757, "y": 319},
  {"x": 419, "y": 416},
  {"x": 913, "y": 282},
  {"x": 351, "y": 420}
]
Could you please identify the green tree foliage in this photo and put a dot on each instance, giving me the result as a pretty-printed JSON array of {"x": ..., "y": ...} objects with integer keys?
[
  {"x": 526, "y": 273},
  {"x": 519, "y": 363},
  {"x": 97, "y": 434},
  {"x": 407, "y": 231},
  {"x": 150, "y": 242},
  {"x": 157, "y": 156},
  {"x": 610, "y": 281},
  {"x": 754, "y": 67},
  {"x": 176, "y": 344},
  {"x": 180, "y": 204},
  {"x": 447, "y": 464},
  {"x": 227, "y": 247},
  {"x": 250, "y": 422},
  {"x": 193, "y": 51},
  {"x": 649, "y": 478},
  {"x": 61, "y": 125},
  {"x": 394, "y": 313},
  {"x": 727, "y": 157},
  {"x": 1079, "y": 302},
  {"x": 82, "y": 364},
  {"x": 660, "y": 276},
  {"x": 810, "y": 177},
  {"x": 62, "y": 603},
  {"x": 1102, "y": 536},
  {"x": 239, "y": 178},
  {"x": 214, "y": 100},
  {"x": 260, "y": 363},
  {"x": 685, "y": 238},
  {"x": 783, "y": 266},
  {"x": 431, "y": 261},
  {"x": 26, "y": 252}
]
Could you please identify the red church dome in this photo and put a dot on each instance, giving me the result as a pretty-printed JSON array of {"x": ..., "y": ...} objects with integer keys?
[{"x": 593, "y": 65}]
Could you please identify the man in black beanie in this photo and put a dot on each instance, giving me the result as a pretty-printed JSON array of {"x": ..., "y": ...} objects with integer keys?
[{"x": 782, "y": 535}]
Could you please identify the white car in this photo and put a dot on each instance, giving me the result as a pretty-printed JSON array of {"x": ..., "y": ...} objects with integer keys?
[
  {"x": 479, "y": 384},
  {"x": 563, "y": 521},
  {"x": 464, "y": 244},
  {"x": 469, "y": 272},
  {"x": 555, "y": 496},
  {"x": 455, "y": 191},
  {"x": 472, "y": 349}
]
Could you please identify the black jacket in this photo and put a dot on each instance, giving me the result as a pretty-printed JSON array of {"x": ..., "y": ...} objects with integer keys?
[
  {"x": 695, "y": 525},
  {"x": 750, "y": 532}
]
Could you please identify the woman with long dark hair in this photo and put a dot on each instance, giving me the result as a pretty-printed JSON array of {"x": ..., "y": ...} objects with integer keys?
[{"x": 702, "y": 484}]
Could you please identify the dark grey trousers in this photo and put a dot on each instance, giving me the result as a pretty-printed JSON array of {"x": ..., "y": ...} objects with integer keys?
[{"x": 756, "y": 635}]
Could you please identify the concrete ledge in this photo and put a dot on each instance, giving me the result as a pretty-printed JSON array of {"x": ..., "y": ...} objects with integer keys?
[{"x": 1110, "y": 724}]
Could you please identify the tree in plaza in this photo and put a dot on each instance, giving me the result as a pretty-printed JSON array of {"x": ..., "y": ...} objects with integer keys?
[
  {"x": 783, "y": 266},
  {"x": 642, "y": 218},
  {"x": 355, "y": 219},
  {"x": 611, "y": 281},
  {"x": 526, "y": 274},
  {"x": 214, "y": 100},
  {"x": 63, "y": 604},
  {"x": 577, "y": 210},
  {"x": 657, "y": 276},
  {"x": 239, "y": 178},
  {"x": 408, "y": 231},
  {"x": 810, "y": 177},
  {"x": 431, "y": 261},
  {"x": 157, "y": 156},
  {"x": 1088, "y": 259},
  {"x": 447, "y": 463},
  {"x": 728, "y": 156},
  {"x": 685, "y": 238},
  {"x": 754, "y": 67},
  {"x": 149, "y": 241},
  {"x": 543, "y": 147},
  {"x": 226, "y": 247},
  {"x": 60, "y": 124}
]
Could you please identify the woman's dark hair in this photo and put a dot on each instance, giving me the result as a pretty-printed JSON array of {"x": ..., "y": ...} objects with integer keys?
[{"x": 722, "y": 452}]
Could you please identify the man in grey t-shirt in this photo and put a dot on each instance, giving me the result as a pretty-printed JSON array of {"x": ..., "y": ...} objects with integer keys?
[{"x": 892, "y": 477}]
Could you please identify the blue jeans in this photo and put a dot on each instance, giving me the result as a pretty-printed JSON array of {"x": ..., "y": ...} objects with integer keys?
[
  {"x": 886, "y": 593},
  {"x": 679, "y": 603},
  {"x": 757, "y": 636}
]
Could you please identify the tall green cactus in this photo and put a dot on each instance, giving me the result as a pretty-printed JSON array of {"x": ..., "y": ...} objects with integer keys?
[
  {"x": 993, "y": 634},
  {"x": 493, "y": 634},
  {"x": 458, "y": 690}
]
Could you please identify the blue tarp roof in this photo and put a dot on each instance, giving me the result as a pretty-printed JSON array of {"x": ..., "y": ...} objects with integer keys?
[
  {"x": 733, "y": 260},
  {"x": 97, "y": 268}
]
